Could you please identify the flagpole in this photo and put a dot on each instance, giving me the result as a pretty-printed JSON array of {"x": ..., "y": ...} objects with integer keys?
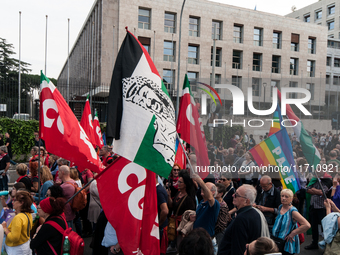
[
  {"x": 19, "y": 85},
  {"x": 91, "y": 75},
  {"x": 68, "y": 61},
  {"x": 95, "y": 178},
  {"x": 179, "y": 58},
  {"x": 184, "y": 151},
  {"x": 46, "y": 46}
]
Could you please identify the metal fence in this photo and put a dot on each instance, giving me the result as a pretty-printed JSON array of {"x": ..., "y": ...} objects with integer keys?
[{"x": 324, "y": 103}]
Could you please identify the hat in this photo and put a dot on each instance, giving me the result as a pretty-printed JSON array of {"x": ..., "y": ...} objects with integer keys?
[{"x": 46, "y": 206}]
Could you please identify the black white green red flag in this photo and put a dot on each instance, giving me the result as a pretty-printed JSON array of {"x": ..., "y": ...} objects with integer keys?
[{"x": 141, "y": 116}]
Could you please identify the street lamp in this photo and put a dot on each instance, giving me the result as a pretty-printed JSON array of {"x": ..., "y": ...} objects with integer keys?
[{"x": 264, "y": 93}]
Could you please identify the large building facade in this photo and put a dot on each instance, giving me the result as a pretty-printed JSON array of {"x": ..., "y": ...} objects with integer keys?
[{"x": 253, "y": 49}]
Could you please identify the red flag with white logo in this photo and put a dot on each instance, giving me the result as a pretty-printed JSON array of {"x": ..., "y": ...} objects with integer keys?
[
  {"x": 97, "y": 132},
  {"x": 189, "y": 126},
  {"x": 128, "y": 195},
  {"x": 61, "y": 130},
  {"x": 180, "y": 156},
  {"x": 86, "y": 123}
]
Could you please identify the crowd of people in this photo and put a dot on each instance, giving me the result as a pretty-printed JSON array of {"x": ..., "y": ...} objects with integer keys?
[{"x": 246, "y": 213}]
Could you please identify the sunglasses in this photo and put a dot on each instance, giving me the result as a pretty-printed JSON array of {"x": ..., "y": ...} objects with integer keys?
[
  {"x": 176, "y": 169},
  {"x": 223, "y": 179},
  {"x": 238, "y": 195}
]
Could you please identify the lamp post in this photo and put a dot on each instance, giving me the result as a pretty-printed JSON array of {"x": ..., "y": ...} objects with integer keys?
[
  {"x": 264, "y": 93},
  {"x": 179, "y": 57}
]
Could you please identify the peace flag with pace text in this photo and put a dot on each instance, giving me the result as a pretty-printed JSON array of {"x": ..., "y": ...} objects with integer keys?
[{"x": 276, "y": 151}]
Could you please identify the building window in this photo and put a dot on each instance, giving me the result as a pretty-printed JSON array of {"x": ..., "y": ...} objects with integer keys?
[
  {"x": 236, "y": 81},
  {"x": 217, "y": 78},
  {"x": 218, "y": 57},
  {"x": 218, "y": 30},
  {"x": 330, "y": 24},
  {"x": 318, "y": 14},
  {"x": 256, "y": 86},
  {"x": 327, "y": 79},
  {"x": 331, "y": 36},
  {"x": 193, "y": 54},
  {"x": 311, "y": 45},
  {"x": 310, "y": 68},
  {"x": 144, "y": 18},
  {"x": 257, "y": 61},
  {"x": 194, "y": 26},
  {"x": 169, "y": 51},
  {"x": 168, "y": 78},
  {"x": 277, "y": 40},
  {"x": 306, "y": 18},
  {"x": 192, "y": 76},
  {"x": 276, "y": 63},
  {"x": 329, "y": 61},
  {"x": 238, "y": 31},
  {"x": 145, "y": 42},
  {"x": 310, "y": 87},
  {"x": 274, "y": 84},
  {"x": 293, "y": 66},
  {"x": 237, "y": 59},
  {"x": 336, "y": 80},
  {"x": 258, "y": 36},
  {"x": 293, "y": 84},
  {"x": 169, "y": 22},
  {"x": 336, "y": 62},
  {"x": 331, "y": 10},
  {"x": 295, "y": 39}
]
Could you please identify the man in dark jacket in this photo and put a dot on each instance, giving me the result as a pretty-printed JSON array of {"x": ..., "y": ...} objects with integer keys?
[
  {"x": 246, "y": 227},
  {"x": 268, "y": 200}
]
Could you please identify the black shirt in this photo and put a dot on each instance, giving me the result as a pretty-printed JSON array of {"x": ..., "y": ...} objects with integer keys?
[
  {"x": 50, "y": 234},
  {"x": 244, "y": 229},
  {"x": 9, "y": 147},
  {"x": 4, "y": 161},
  {"x": 162, "y": 197}
]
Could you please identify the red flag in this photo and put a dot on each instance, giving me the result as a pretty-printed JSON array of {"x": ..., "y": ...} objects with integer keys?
[
  {"x": 97, "y": 132},
  {"x": 61, "y": 130},
  {"x": 86, "y": 123},
  {"x": 189, "y": 126},
  {"x": 128, "y": 195},
  {"x": 180, "y": 157}
]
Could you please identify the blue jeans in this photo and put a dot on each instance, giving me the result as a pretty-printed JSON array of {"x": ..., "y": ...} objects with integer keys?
[{"x": 4, "y": 183}]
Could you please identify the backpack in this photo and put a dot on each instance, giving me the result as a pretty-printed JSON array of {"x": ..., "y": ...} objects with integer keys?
[
  {"x": 76, "y": 242},
  {"x": 80, "y": 200}
]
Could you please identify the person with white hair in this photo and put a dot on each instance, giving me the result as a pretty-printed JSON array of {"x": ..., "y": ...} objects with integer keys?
[{"x": 246, "y": 227}]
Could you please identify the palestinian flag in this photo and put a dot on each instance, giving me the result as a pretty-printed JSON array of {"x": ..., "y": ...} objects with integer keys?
[
  {"x": 141, "y": 116},
  {"x": 310, "y": 152},
  {"x": 189, "y": 126}
]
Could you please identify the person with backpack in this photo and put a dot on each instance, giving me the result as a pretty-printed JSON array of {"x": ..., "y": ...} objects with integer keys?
[
  {"x": 18, "y": 231},
  {"x": 48, "y": 240}
]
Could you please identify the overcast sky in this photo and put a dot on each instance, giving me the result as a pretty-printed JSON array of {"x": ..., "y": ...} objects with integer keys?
[{"x": 33, "y": 26}]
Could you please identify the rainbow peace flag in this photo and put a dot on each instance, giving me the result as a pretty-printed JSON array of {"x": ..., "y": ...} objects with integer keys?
[
  {"x": 277, "y": 119},
  {"x": 277, "y": 150}
]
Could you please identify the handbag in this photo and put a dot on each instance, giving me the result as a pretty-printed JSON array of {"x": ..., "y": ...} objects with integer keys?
[{"x": 172, "y": 226}]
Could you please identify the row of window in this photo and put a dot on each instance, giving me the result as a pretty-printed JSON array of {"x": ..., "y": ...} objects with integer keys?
[
  {"x": 318, "y": 13},
  {"x": 336, "y": 62},
  {"x": 144, "y": 22},
  {"x": 336, "y": 79},
  {"x": 168, "y": 79}
]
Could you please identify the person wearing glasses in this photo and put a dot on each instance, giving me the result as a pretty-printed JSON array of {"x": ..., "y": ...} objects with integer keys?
[
  {"x": 230, "y": 190},
  {"x": 48, "y": 240},
  {"x": 246, "y": 227},
  {"x": 172, "y": 184},
  {"x": 18, "y": 231},
  {"x": 268, "y": 200},
  {"x": 261, "y": 246}
]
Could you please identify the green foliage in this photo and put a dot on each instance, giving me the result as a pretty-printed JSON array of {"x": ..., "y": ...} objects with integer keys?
[
  {"x": 224, "y": 133},
  {"x": 21, "y": 134},
  {"x": 206, "y": 132}
]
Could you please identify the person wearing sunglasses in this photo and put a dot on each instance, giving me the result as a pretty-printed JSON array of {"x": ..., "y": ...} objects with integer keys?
[
  {"x": 246, "y": 227},
  {"x": 261, "y": 246},
  {"x": 172, "y": 184},
  {"x": 230, "y": 190}
]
